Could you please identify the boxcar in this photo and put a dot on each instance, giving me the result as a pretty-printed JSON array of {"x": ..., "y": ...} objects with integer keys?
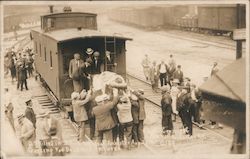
[
  {"x": 220, "y": 18},
  {"x": 63, "y": 34}
]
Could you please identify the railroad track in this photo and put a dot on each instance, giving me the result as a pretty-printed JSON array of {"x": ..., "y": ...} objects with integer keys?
[{"x": 155, "y": 98}]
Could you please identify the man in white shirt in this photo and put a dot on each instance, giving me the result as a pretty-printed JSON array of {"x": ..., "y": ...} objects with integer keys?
[
  {"x": 163, "y": 68},
  {"x": 146, "y": 67}
]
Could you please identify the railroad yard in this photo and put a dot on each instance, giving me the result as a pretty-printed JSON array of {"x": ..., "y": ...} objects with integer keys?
[{"x": 195, "y": 52}]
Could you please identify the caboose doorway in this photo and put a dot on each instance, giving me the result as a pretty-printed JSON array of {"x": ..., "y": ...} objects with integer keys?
[{"x": 116, "y": 62}]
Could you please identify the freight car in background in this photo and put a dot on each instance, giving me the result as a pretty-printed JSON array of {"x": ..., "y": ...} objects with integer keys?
[
  {"x": 221, "y": 18},
  {"x": 142, "y": 17},
  {"x": 211, "y": 19},
  {"x": 155, "y": 17}
]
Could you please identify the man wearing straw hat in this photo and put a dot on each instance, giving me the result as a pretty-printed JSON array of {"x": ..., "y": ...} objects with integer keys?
[
  {"x": 89, "y": 57},
  {"x": 27, "y": 132}
]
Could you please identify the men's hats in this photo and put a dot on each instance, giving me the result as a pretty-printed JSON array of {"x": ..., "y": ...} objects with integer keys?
[
  {"x": 187, "y": 78},
  {"x": 101, "y": 98},
  {"x": 141, "y": 91},
  {"x": 134, "y": 97},
  {"x": 28, "y": 102},
  {"x": 165, "y": 88},
  {"x": 176, "y": 81},
  {"x": 42, "y": 114},
  {"x": 89, "y": 51},
  {"x": 96, "y": 54},
  {"x": 75, "y": 95},
  {"x": 124, "y": 99}
]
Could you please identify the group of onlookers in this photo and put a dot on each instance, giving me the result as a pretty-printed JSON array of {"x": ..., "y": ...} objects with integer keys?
[
  {"x": 33, "y": 129},
  {"x": 179, "y": 95},
  {"x": 21, "y": 66}
]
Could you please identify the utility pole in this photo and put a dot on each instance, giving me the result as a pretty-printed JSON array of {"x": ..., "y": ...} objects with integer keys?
[{"x": 238, "y": 42}]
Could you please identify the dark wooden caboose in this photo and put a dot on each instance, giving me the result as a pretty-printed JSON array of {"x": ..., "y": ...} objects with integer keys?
[{"x": 63, "y": 34}]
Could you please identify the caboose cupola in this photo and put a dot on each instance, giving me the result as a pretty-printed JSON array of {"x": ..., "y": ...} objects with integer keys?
[{"x": 68, "y": 19}]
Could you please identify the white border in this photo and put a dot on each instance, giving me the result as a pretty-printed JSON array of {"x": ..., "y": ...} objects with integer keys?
[{"x": 229, "y": 156}]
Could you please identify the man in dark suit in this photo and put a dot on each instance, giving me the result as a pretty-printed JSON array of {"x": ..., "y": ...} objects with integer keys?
[
  {"x": 97, "y": 63},
  {"x": 166, "y": 105},
  {"x": 29, "y": 113},
  {"x": 22, "y": 76},
  {"x": 178, "y": 74},
  {"x": 183, "y": 107},
  {"x": 74, "y": 66}
]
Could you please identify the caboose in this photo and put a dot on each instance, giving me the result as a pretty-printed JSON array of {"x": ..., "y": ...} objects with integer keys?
[{"x": 63, "y": 34}]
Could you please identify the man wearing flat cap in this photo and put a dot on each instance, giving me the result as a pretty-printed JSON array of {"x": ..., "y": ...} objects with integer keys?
[
  {"x": 183, "y": 107},
  {"x": 29, "y": 112},
  {"x": 166, "y": 101}
]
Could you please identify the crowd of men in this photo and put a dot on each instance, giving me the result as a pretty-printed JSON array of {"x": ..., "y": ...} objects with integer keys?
[
  {"x": 33, "y": 129},
  {"x": 20, "y": 64},
  {"x": 117, "y": 114},
  {"x": 179, "y": 95}
]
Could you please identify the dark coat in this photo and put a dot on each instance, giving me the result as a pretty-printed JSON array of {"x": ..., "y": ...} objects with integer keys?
[
  {"x": 166, "y": 104},
  {"x": 171, "y": 71},
  {"x": 178, "y": 75},
  {"x": 104, "y": 120},
  {"x": 22, "y": 73},
  {"x": 29, "y": 114},
  {"x": 183, "y": 102},
  {"x": 141, "y": 102},
  {"x": 135, "y": 111},
  {"x": 96, "y": 66}
]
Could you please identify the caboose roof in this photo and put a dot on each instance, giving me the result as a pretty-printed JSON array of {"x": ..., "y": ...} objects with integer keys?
[
  {"x": 74, "y": 33},
  {"x": 61, "y": 13}
]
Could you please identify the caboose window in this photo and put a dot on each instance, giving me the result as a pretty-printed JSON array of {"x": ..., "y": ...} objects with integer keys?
[
  {"x": 36, "y": 47},
  {"x": 40, "y": 50},
  {"x": 45, "y": 55},
  {"x": 51, "y": 64}
]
